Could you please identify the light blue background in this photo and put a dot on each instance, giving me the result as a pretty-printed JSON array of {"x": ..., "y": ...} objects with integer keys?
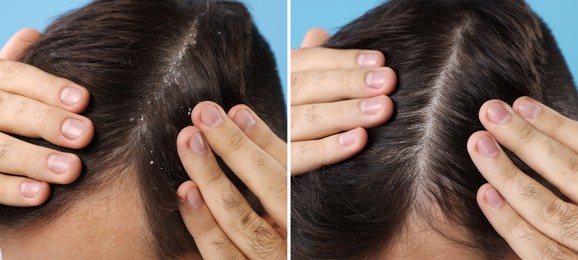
[
  {"x": 560, "y": 15},
  {"x": 269, "y": 15}
]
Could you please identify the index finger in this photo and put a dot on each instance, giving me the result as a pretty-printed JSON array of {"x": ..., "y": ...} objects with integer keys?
[
  {"x": 264, "y": 175},
  {"x": 28, "y": 81},
  {"x": 307, "y": 59}
]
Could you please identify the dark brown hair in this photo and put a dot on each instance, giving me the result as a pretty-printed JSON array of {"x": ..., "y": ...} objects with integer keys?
[
  {"x": 146, "y": 65},
  {"x": 450, "y": 57}
]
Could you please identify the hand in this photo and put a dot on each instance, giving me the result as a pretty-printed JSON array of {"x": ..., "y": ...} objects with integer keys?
[
  {"x": 534, "y": 221},
  {"x": 217, "y": 215},
  {"x": 38, "y": 105},
  {"x": 335, "y": 94}
]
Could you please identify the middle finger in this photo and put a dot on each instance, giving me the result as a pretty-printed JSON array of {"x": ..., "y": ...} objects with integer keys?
[{"x": 325, "y": 119}]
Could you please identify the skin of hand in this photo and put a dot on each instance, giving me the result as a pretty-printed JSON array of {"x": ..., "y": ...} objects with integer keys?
[
  {"x": 36, "y": 104},
  {"x": 335, "y": 94},
  {"x": 534, "y": 221},
  {"x": 216, "y": 214}
]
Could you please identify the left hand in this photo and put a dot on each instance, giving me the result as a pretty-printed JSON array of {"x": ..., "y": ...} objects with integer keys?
[
  {"x": 217, "y": 215},
  {"x": 533, "y": 220}
]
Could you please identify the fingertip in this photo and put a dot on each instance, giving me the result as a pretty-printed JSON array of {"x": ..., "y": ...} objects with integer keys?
[
  {"x": 473, "y": 140},
  {"x": 392, "y": 82},
  {"x": 315, "y": 37},
  {"x": 73, "y": 171},
  {"x": 197, "y": 112},
  {"x": 184, "y": 189},
  {"x": 233, "y": 111},
  {"x": 184, "y": 136},
  {"x": 28, "y": 35},
  {"x": 353, "y": 140},
  {"x": 73, "y": 97},
  {"x": 40, "y": 197}
]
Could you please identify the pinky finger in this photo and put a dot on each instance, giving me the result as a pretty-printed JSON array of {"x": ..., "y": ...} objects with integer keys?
[
  {"x": 524, "y": 238},
  {"x": 209, "y": 237},
  {"x": 310, "y": 155},
  {"x": 22, "y": 192}
]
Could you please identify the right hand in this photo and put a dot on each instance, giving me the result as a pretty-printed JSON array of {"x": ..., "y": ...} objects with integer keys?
[
  {"x": 335, "y": 94},
  {"x": 36, "y": 104}
]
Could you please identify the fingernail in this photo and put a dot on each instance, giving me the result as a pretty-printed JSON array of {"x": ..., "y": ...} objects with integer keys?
[
  {"x": 367, "y": 59},
  {"x": 494, "y": 198},
  {"x": 59, "y": 163},
  {"x": 347, "y": 138},
  {"x": 30, "y": 189},
  {"x": 197, "y": 144},
  {"x": 376, "y": 79},
  {"x": 244, "y": 120},
  {"x": 529, "y": 109},
  {"x": 498, "y": 114},
  {"x": 211, "y": 117},
  {"x": 70, "y": 96},
  {"x": 371, "y": 106},
  {"x": 194, "y": 198},
  {"x": 487, "y": 147},
  {"x": 73, "y": 128}
]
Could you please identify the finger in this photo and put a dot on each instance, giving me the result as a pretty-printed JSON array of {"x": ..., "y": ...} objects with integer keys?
[
  {"x": 310, "y": 155},
  {"x": 314, "y": 38},
  {"x": 249, "y": 232},
  {"x": 209, "y": 237},
  {"x": 19, "y": 43},
  {"x": 554, "y": 161},
  {"x": 264, "y": 176},
  {"x": 26, "y": 117},
  {"x": 321, "y": 120},
  {"x": 259, "y": 133},
  {"x": 36, "y": 162},
  {"x": 306, "y": 59},
  {"x": 24, "y": 80},
  {"x": 548, "y": 121},
  {"x": 335, "y": 85},
  {"x": 22, "y": 192},
  {"x": 525, "y": 240},
  {"x": 536, "y": 204}
]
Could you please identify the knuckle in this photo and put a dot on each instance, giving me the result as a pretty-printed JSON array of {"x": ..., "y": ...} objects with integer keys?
[
  {"x": 4, "y": 188},
  {"x": 266, "y": 139},
  {"x": 235, "y": 142},
  {"x": 229, "y": 198},
  {"x": 261, "y": 240},
  {"x": 527, "y": 190},
  {"x": 214, "y": 173},
  {"x": 247, "y": 222},
  {"x": 521, "y": 230},
  {"x": 295, "y": 54},
  {"x": 554, "y": 212},
  {"x": 8, "y": 69},
  {"x": 45, "y": 86},
  {"x": 259, "y": 159},
  {"x": 264, "y": 244},
  {"x": 525, "y": 136},
  {"x": 557, "y": 123},
  {"x": 46, "y": 113},
  {"x": 553, "y": 251},
  {"x": 280, "y": 186}
]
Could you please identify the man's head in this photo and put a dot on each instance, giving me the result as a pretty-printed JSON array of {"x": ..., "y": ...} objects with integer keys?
[
  {"x": 146, "y": 65},
  {"x": 412, "y": 191}
]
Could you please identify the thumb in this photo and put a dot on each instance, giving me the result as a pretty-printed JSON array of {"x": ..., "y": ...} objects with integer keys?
[
  {"x": 19, "y": 42},
  {"x": 314, "y": 38}
]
